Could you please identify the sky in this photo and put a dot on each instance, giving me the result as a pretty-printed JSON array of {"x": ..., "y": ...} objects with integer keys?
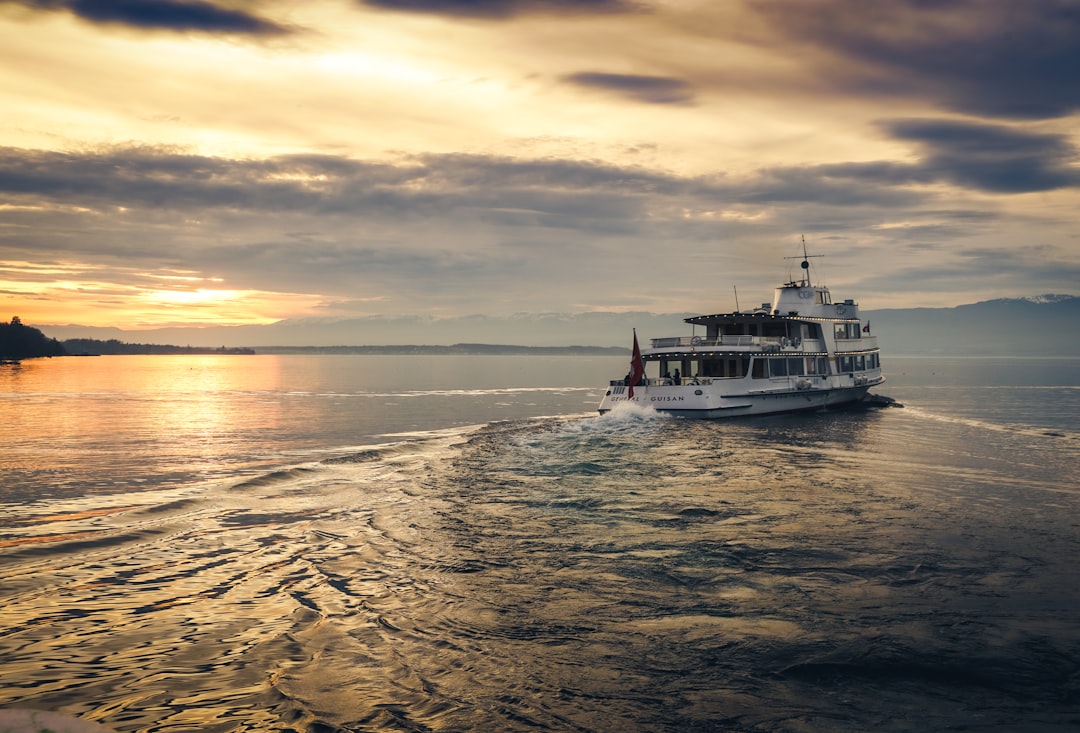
[{"x": 173, "y": 163}]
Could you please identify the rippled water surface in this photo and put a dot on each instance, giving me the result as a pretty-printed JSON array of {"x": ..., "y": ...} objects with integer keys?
[{"x": 347, "y": 544}]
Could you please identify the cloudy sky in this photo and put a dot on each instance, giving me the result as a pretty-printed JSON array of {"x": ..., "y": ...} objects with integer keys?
[{"x": 169, "y": 162}]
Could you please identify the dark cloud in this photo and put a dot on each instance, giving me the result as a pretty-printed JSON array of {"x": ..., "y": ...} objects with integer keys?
[
  {"x": 444, "y": 230},
  {"x": 173, "y": 15},
  {"x": 481, "y": 172},
  {"x": 855, "y": 185},
  {"x": 971, "y": 156},
  {"x": 133, "y": 195},
  {"x": 1021, "y": 269},
  {"x": 420, "y": 228},
  {"x": 422, "y": 186},
  {"x": 651, "y": 89},
  {"x": 997, "y": 58},
  {"x": 990, "y": 157},
  {"x": 551, "y": 194},
  {"x": 356, "y": 214},
  {"x": 501, "y": 9},
  {"x": 160, "y": 177}
]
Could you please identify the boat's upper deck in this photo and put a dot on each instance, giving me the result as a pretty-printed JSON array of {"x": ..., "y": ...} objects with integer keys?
[
  {"x": 793, "y": 300},
  {"x": 802, "y": 317},
  {"x": 686, "y": 346}
]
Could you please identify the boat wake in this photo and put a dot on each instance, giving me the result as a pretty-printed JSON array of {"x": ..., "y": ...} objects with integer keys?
[
  {"x": 988, "y": 425},
  {"x": 631, "y": 412}
]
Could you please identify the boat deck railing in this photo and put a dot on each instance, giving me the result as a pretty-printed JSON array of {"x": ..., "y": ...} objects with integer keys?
[
  {"x": 662, "y": 382},
  {"x": 760, "y": 343},
  {"x": 772, "y": 383},
  {"x": 859, "y": 344}
]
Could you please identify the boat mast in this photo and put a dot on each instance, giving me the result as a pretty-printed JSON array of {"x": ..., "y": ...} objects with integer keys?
[{"x": 805, "y": 263}]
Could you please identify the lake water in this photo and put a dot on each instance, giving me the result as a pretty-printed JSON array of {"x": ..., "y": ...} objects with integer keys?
[{"x": 361, "y": 543}]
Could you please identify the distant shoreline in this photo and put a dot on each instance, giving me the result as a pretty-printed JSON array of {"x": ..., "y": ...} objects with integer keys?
[
  {"x": 455, "y": 349},
  {"x": 87, "y": 347}
]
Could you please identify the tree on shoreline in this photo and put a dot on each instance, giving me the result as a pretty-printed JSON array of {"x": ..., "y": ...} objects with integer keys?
[
  {"x": 95, "y": 347},
  {"x": 23, "y": 342}
]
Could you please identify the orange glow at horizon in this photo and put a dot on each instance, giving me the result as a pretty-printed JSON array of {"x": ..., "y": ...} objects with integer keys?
[
  {"x": 74, "y": 293},
  {"x": 192, "y": 297}
]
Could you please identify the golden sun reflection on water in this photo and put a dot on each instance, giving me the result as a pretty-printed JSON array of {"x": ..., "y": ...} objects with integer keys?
[
  {"x": 184, "y": 403},
  {"x": 76, "y": 425}
]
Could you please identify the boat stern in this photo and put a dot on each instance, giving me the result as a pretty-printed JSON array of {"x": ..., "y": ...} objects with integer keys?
[{"x": 690, "y": 400}]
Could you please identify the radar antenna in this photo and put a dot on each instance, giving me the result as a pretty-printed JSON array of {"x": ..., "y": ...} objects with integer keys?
[{"x": 805, "y": 263}]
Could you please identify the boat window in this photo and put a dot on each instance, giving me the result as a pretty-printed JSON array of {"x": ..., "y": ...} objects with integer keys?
[
  {"x": 847, "y": 364},
  {"x": 730, "y": 368},
  {"x": 860, "y": 363},
  {"x": 816, "y": 365},
  {"x": 777, "y": 367},
  {"x": 847, "y": 331},
  {"x": 759, "y": 368},
  {"x": 795, "y": 366}
]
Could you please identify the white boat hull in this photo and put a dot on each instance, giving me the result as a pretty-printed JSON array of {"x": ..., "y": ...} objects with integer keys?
[{"x": 709, "y": 401}]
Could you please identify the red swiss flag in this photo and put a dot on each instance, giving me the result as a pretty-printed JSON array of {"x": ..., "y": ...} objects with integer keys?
[{"x": 637, "y": 367}]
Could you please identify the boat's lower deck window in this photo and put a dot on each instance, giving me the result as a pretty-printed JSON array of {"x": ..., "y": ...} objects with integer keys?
[
  {"x": 858, "y": 362},
  {"x": 729, "y": 368},
  {"x": 791, "y": 366}
]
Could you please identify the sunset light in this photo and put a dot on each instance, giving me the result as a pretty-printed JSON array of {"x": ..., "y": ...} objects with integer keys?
[
  {"x": 224, "y": 163},
  {"x": 193, "y": 297},
  {"x": 49, "y": 292},
  {"x": 507, "y": 366}
]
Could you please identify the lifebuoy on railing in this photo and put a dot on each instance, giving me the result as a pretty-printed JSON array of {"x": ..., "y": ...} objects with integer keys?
[{"x": 695, "y": 341}]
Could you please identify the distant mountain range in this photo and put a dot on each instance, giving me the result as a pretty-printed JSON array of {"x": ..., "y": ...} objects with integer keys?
[{"x": 1046, "y": 325}]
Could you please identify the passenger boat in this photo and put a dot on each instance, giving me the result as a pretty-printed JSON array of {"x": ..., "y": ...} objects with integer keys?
[{"x": 801, "y": 352}]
